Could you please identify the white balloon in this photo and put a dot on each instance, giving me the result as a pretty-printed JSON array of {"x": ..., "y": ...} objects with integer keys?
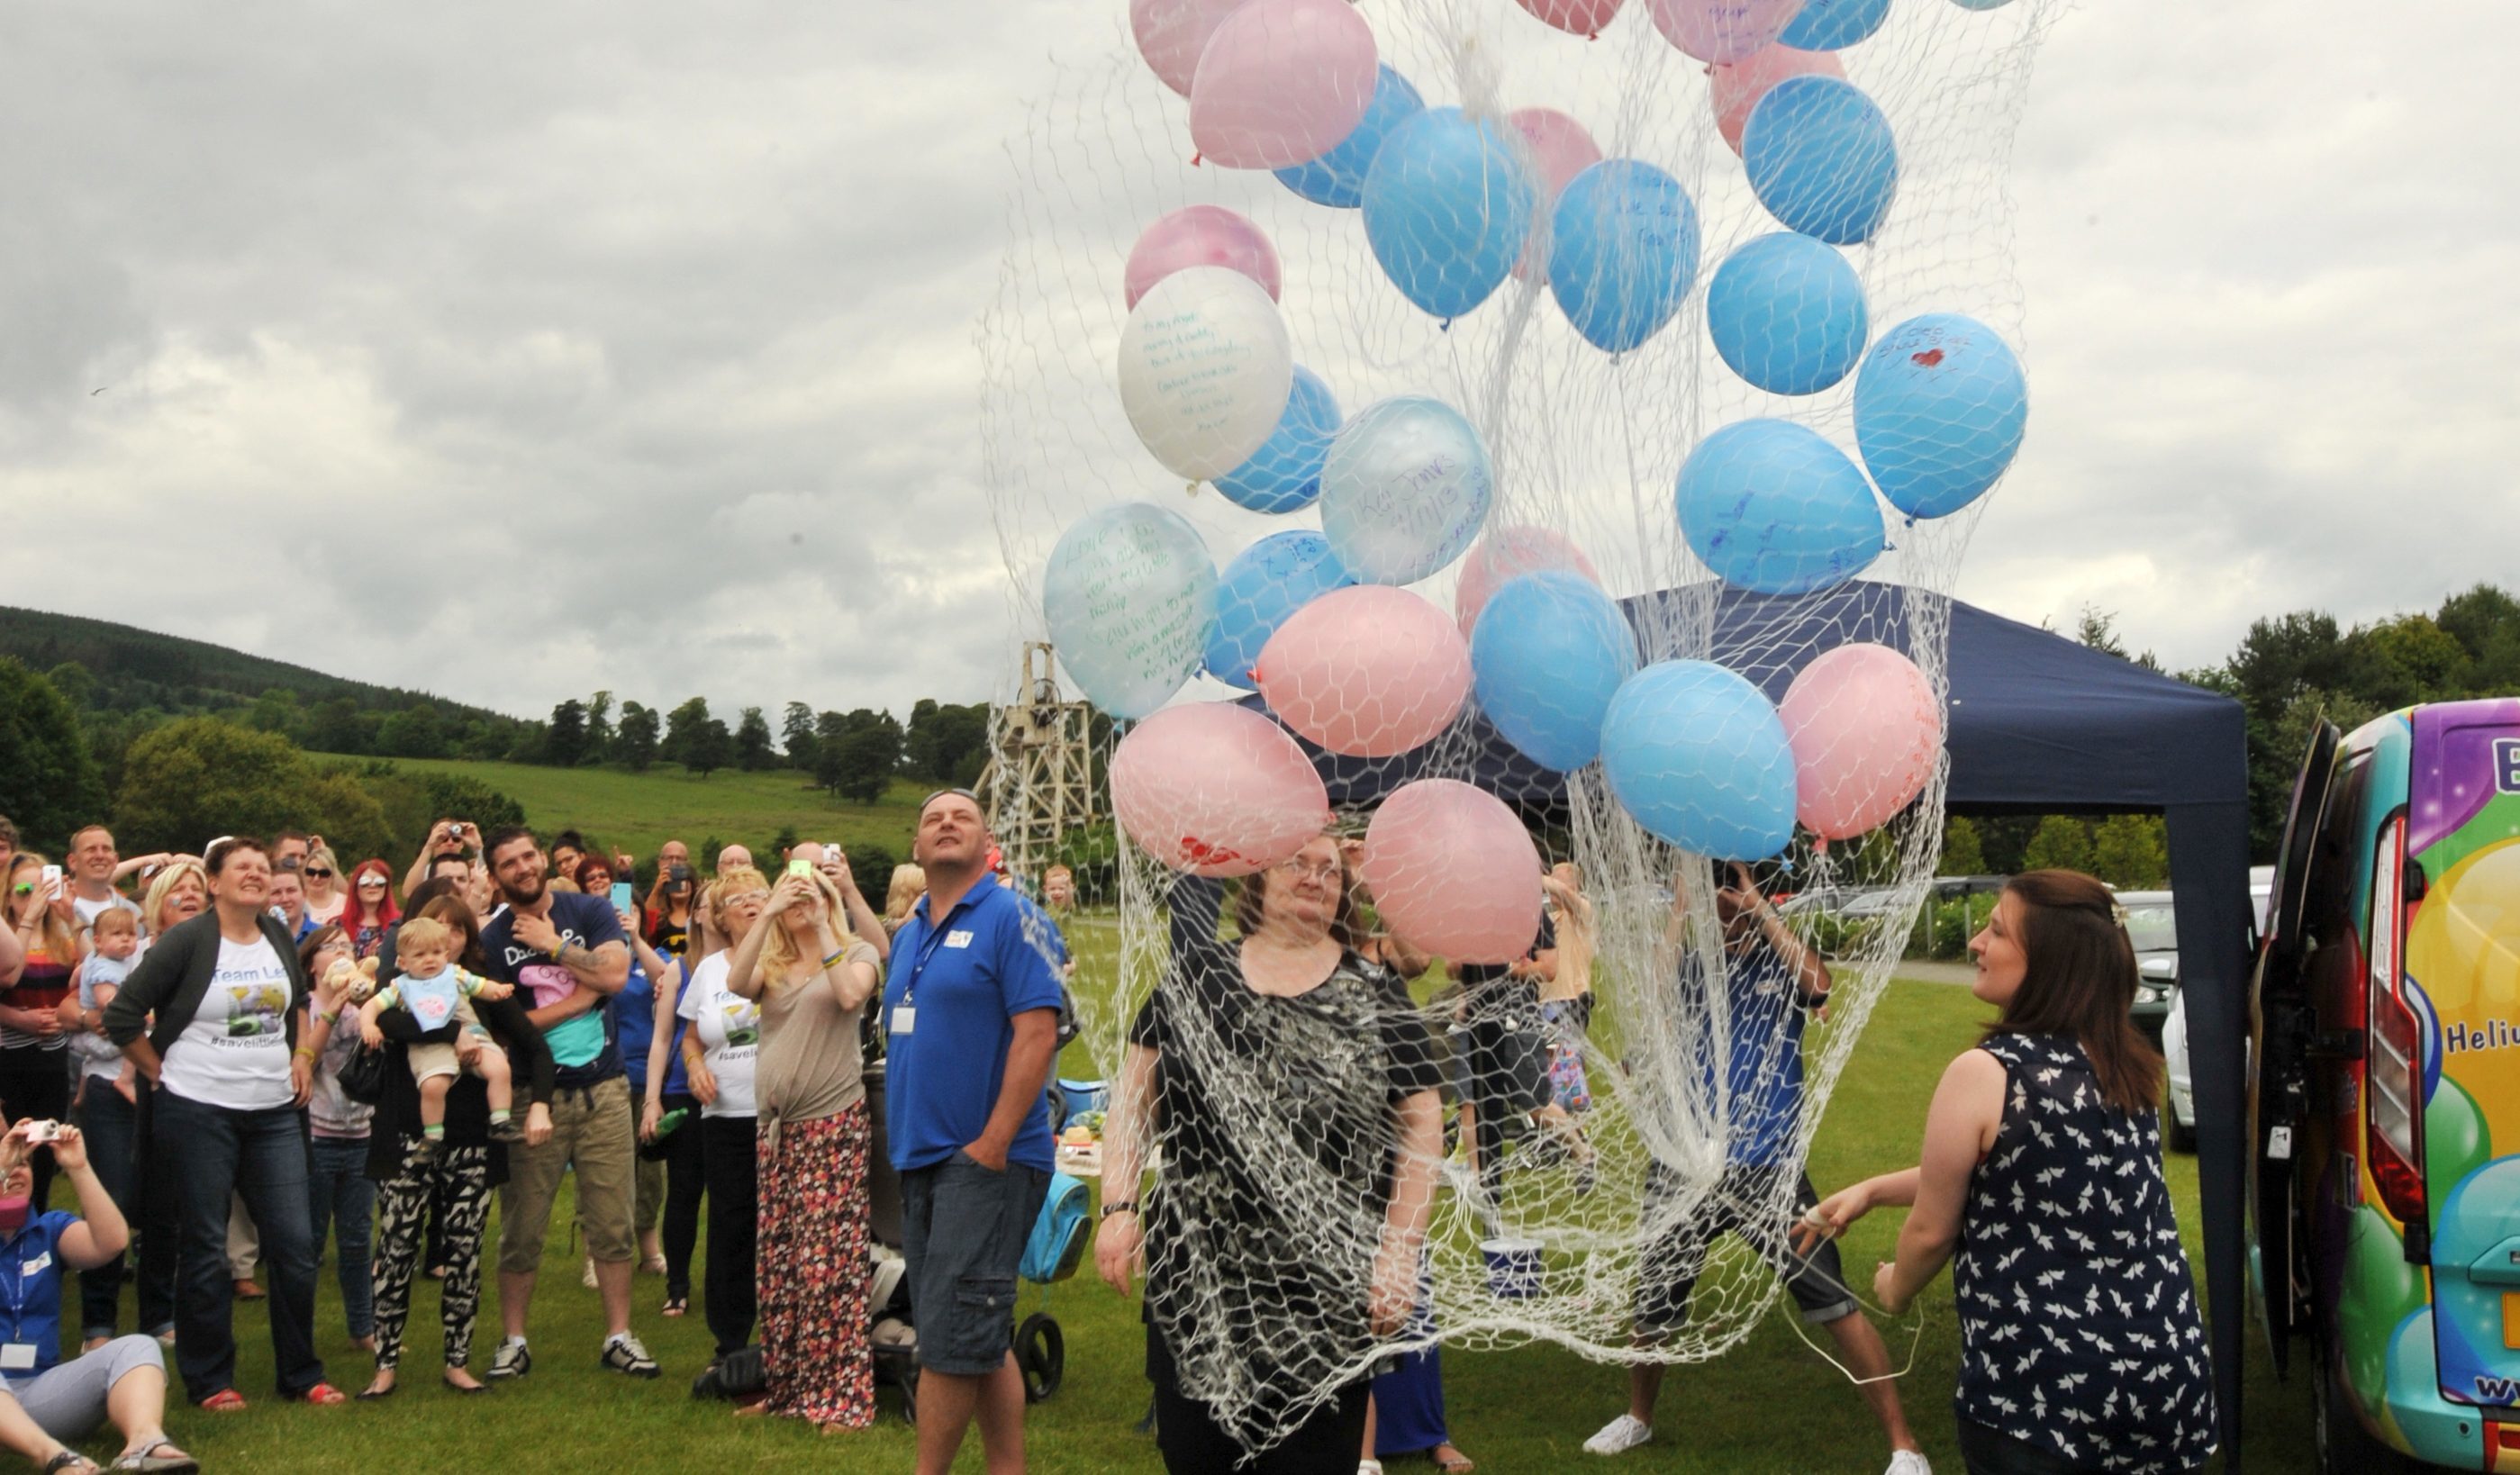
[
  {"x": 1405, "y": 488},
  {"x": 1205, "y": 367}
]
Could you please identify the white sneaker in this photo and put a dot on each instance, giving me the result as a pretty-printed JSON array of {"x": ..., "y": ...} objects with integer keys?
[
  {"x": 1908, "y": 1462},
  {"x": 1619, "y": 1436}
]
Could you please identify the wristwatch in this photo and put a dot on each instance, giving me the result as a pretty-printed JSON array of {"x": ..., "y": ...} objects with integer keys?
[{"x": 1120, "y": 1206}]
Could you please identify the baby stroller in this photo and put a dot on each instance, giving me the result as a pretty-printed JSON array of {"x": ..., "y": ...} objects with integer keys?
[{"x": 1051, "y": 1253}]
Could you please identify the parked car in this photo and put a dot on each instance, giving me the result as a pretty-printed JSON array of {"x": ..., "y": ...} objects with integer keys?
[
  {"x": 2152, "y": 926},
  {"x": 2179, "y": 1111},
  {"x": 2385, "y": 1102}
]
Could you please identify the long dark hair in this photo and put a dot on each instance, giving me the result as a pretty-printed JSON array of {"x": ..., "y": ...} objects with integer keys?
[
  {"x": 451, "y": 910},
  {"x": 2079, "y": 980}
]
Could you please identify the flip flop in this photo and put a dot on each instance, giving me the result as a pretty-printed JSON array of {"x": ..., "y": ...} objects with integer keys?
[
  {"x": 1459, "y": 1465},
  {"x": 176, "y": 1463}
]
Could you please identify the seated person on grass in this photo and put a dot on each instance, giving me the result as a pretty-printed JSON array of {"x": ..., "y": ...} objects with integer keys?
[{"x": 438, "y": 994}]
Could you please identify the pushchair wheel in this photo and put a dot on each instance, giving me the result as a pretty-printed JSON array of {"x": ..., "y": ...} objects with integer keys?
[{"x": 1041, "y": 1351}]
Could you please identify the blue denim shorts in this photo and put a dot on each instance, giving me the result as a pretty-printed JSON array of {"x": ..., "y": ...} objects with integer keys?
[{"x": 962, "y": 1233}]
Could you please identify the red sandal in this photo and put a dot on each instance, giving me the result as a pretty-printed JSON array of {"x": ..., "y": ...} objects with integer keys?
[
  {"x": 323, "y": 1395},
  {"x": 225, "y": 1401}
]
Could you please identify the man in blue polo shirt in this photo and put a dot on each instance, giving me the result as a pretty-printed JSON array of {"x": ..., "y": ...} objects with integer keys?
[{"x": 971, "y": 1014}]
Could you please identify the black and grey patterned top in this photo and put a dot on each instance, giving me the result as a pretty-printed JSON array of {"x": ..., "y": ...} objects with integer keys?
[{"x": 2079, "y": 1325}]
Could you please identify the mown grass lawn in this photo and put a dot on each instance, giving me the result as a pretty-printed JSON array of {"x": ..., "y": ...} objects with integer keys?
[
  {"x": 639, "y": 812},
  {"x": 1770, "y": 1405}
]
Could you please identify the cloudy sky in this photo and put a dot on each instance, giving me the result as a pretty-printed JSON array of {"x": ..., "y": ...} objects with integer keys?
[{"x": 515, "y": 351}]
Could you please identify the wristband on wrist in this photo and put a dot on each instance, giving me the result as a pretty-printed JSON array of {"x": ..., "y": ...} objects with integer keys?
[
  {"x": 835, "y": 960},
  {"x": 303, "y": 1053},
  {"x": 1120, "y": 1206}
]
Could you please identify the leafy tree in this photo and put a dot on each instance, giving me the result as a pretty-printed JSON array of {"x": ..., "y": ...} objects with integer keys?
[
  {"x": 599, "y": 727},
  {"x": 682, "y": 724},
  {"x": 195, "y": 778},
  {"x": 334, "y": 727},
  {"x": 76, "y": 683},
  {"x": 830, "y": 738},
  {"x": 2132, "y": 852},
  {"x": 49, "y": 783},
  {"x": 1963, "y": 853},
  {"x": 530, "y": 743},
  {"x": 276, "y": 710},
  {"x": 565, "y": 742},
  {"x": 2412, "y": 659},
  {"x": 708, "y": 747},
  {"x": 2097, "y": 629},
  {"x": 869, "y": 756},
  {"x": 2062, "y": 843},
  {"x": 411, "y": 732},
  {"x": 753, "y": 750},
  {"x": 637, "y": 742},
  {"x": 944, "y": 741},
  {"x": 797, "y": 731}
]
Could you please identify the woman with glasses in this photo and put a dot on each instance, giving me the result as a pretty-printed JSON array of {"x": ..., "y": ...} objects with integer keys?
[
  {"x": 729, "y": 908},
  {"x": 325, "y": 896},
  {"x": 1243, "y": 1335},
  {"x": 35, "y": 1063},
  {"x": 370, "y": 912}
]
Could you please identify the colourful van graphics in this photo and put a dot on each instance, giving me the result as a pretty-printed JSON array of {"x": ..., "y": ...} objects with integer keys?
[{"x": 2391, "y": 1066}]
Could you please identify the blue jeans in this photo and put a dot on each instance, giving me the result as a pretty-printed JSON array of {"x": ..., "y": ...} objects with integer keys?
[
  {"x": 339, "y": 1193},
  {"x": 211, "y": 1152},
  {"x": 111, "y": 1127}
]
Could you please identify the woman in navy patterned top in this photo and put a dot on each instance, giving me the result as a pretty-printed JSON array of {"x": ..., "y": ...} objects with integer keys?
[{"x": 2081, "y": 1343}]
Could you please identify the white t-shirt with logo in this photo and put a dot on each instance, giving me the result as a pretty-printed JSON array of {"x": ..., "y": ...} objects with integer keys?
[
  {"x": 728, "y": 1026},
  {"x": 234, "y": 1052}
]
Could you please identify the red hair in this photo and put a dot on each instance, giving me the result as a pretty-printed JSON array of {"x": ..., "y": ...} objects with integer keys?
[{"x": 385, "y": 915}]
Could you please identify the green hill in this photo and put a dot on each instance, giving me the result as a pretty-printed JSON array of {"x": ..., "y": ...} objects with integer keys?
[{"x": 135, "y": 669}]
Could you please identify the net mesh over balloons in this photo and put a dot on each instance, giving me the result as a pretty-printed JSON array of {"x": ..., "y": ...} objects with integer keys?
[{"x": 1585, "y": 448}]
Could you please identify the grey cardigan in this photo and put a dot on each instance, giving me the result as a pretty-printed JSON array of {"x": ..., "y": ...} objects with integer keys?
[{"x": 174, "y": 975}]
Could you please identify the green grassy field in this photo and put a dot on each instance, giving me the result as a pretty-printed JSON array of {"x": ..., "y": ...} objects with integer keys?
[
  {"x": 1770, "y": 1405},
  {"x": 639, "y": 812}
]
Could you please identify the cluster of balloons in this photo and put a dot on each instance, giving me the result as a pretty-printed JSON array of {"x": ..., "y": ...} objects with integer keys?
[{"x": 1325, "y": 626}]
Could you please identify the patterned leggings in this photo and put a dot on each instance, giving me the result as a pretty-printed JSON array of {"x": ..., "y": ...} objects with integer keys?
[
  {"x": 460, "y": 1182},
  {"x": 813, "y": 1271}
]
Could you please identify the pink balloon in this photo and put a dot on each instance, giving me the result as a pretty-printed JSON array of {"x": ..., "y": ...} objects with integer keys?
[
  {"x": 1510, "y": 552},
  {"x": 1561, "y": 150},
  {"x": 1367, "y": 671},
  {"x": 1216, "y": 789},
  {"x": 1722, "y": 30},
  {"x": 1201, "y": 235},
  {"x": 1583, "y": 18},
  {"x": 1453, "y": 872},
  {"x": 1735, "y": 87},
  {"x": 1282, "y": 82},
  {"x": 1171, "y": 33},
  {"x": 1866, "y": 731}
]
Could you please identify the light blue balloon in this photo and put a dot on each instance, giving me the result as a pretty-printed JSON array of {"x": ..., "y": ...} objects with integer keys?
[
  {"x": 1787, "y": 313},
  {"x": 1338, "y": 178},
  {"x": 1265, "y": 583},
  {"x": 1405, "y": 489},
  {"x": 1130, "y": 594},
  {"x": 1285, "y": 474},
  {"x": 1830, "y": 25},
  {"x": 1546, "y": 655},
  {"x": 1622, "y": 252},
  {"x": 1773, "y": 509},
  {"x": 1822, "y": 158},
  {"x": 1698, "y": 757},
  {"x": 1447, "y": 206},
  {"x": 1940, "y": 406}
]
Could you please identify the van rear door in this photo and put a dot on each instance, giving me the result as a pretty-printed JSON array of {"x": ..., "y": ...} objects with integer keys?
[
  {"x": 2461, "y": 976},
  {"x": 2279, "y": 1029}
]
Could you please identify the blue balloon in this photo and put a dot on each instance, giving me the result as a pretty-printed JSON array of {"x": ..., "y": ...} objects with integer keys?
[
  {"x": 1699, "y": 758},
  {"x": 1405, "y": 489},
  {"x": 1787, "y": 313},
  {"x": 1548, "y": 653},
  {"x": 1447, "y": 206},
  {"x": 1338, "y": 178},
  {"x": 1940, "y": 406},
  {"x": 1130, "y": 595},
  {"x": 1773, "y": 509},
  {"x": 1622, "y": 252},
  {"x": 1821, "y": 159},
  {"x": 1285, "y": 474},
  {"x": 1830, "y": 25},
  {"x": 1265, "y": 583}
]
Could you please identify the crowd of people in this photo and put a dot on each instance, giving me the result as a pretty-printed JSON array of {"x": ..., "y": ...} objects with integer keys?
[{"x": 237, "y": 1056}]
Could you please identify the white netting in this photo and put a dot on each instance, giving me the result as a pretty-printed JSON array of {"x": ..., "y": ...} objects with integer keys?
[{"x": 1583, "y": 448}]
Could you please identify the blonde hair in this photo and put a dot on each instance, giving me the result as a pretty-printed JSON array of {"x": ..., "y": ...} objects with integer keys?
[
  {"x": 908, "y": 883},
  {"x": 115, "y": 919},
  {"x": 416, "y": 932},
  {"x": 322, "y": 855},
  {"x": 778, "y": 950},
  {"x": 727, "y": 885},
  {"x": 163, "y": 887},
  {"x": 60, "y": 938}
]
